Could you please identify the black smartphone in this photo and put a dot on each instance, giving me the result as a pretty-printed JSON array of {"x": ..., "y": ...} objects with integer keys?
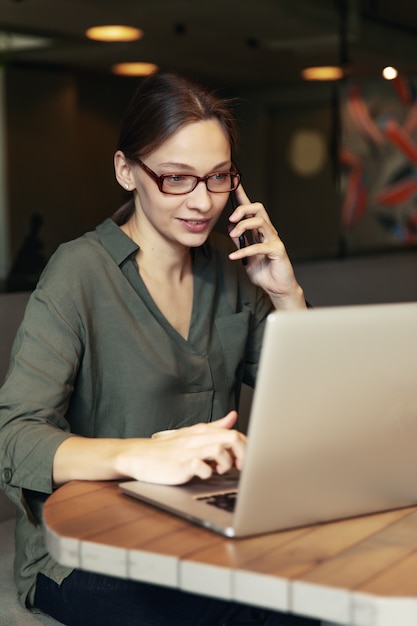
[{"x": 242, "y": 240}]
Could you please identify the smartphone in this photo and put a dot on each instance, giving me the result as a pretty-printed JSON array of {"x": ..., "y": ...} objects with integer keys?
[{"x": 242, "y": 239}]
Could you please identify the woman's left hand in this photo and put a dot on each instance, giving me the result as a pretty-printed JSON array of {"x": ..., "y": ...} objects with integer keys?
[{"x": 268, "y": 265}]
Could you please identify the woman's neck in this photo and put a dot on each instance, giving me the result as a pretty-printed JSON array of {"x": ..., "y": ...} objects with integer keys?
[{"x": 156, "y": 257}]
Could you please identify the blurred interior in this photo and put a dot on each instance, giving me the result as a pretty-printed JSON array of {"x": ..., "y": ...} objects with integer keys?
[{"x": 60, "y": 106}]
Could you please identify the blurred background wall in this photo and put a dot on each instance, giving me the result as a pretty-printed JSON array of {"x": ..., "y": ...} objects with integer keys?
[{"x": 61, "y": 106}]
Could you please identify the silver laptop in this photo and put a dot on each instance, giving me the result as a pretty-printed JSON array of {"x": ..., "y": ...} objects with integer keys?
[{"x": 332, "y": 430}]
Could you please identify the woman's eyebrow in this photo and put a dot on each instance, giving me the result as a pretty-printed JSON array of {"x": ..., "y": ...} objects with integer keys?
[{"x": 186, "y": 166}]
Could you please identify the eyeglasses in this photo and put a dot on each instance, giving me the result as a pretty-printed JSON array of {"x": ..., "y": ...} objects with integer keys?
[{"x": 178, "y": 184}]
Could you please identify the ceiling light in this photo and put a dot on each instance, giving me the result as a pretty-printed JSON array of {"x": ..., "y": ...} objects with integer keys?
[
  {"x": 389, "y": 73},
  {"x": 134, "y": 69},
  {"x": 322, "y": 72},
  {"x": 10, "y": 42},
  {"x": 114, "y": 33}
]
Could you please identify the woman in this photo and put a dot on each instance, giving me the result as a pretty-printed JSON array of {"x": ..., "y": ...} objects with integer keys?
[{"x": 151, "y": 322}]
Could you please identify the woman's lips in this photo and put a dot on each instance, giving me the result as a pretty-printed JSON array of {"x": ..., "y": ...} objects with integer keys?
[{"x": 195, "y": 226}]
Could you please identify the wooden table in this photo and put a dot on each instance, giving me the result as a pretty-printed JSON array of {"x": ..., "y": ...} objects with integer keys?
[{"x": 361, "y": 571}]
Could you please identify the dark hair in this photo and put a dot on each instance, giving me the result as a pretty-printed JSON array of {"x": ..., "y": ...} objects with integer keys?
[{"x": 164, "y": 103}]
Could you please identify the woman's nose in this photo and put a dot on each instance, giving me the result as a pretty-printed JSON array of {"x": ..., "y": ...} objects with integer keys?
[{"x": 200, "y": 197}]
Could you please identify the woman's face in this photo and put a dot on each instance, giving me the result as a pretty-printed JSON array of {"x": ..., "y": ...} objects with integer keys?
[{"x": 200, "y": 148}]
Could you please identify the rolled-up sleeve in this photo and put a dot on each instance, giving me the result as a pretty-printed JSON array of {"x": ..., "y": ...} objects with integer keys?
[{"x": 35, "y": 397}]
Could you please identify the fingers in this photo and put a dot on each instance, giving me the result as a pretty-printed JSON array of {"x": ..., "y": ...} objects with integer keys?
[
  {"x": 241, "y": 196},
  {"x": 243, "y": 204},
  {"x": 228, "y": 421},
  {"x": 250, "y": 223},
  {"x": 200, "y": 469},
  {"x": 245, "y": 208},
  {"x": 250, "y": 218},
  {"x": 257, "y": 226},
  {"x": 263, "y": 239},
  {"x": 273, "y": 250},
  {"x": 214, "y": 458},
  {"x": 197, "y": 450},
  {"x": 217, "y": 443}
]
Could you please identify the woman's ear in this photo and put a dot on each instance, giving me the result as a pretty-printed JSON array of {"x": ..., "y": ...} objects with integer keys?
[{"x": 123, "y": 171}]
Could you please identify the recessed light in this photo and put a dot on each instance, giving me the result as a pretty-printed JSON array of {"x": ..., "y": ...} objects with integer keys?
[
  {"x": 114, "y": 33},
  {"x": 389, "y": 73},
  {"x": 322, "y": 72},
  {"x": 10, "y": 42},
  {"x": 134, "y": 69}
]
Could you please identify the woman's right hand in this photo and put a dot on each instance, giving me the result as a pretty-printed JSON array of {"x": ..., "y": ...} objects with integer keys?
[
  {"x": 199, "y": 450},
  {"x": 174, "y": 459}
]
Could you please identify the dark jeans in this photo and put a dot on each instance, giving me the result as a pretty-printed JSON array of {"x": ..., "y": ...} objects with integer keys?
[{"x": 85, "y": 599}]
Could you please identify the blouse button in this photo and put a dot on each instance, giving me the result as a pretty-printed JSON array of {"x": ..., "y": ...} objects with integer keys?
[{"x": 7, "y": 474}]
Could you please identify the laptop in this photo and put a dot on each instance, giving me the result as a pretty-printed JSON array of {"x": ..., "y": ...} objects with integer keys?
[{"x": 332, "y": 430}]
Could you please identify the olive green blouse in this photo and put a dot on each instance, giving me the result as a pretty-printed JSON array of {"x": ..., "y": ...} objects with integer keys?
[{"x": 94, "y": 356}]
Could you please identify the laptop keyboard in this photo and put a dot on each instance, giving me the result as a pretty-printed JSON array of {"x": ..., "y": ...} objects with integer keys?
[{"x": 225, "y": 501}]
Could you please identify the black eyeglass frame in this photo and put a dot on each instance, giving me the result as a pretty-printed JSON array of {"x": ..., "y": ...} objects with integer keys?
[{"x": 198, "y": 179}]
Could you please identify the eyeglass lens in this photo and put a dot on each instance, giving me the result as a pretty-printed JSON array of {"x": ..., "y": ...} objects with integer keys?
[{"x": 220, "y": 182}]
